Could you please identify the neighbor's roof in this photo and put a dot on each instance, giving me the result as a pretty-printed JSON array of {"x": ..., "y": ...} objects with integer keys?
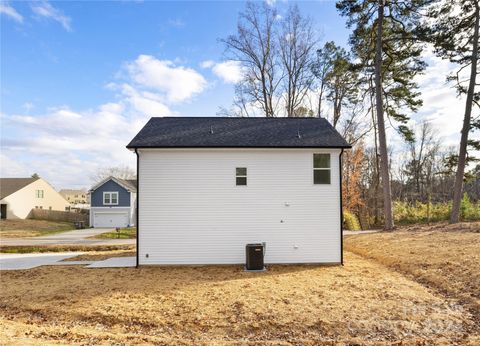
[
  {"x": 12, "y": 185},
  {"x": 131, "y": 183},
  {"x": 71, "y": 191},
  {"x": 220, "y": 132},
  {"x": 128, "y": 184}
]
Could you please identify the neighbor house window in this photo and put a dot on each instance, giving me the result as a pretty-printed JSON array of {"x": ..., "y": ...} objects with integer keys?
[
  {"x": 39, "y": 193},
  {"x": 321, "y": 168},
  {"x": 241, "y": 176},
  {"x": 110, "y": 198}
]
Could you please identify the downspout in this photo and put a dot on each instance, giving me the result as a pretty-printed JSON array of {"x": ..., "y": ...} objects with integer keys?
[
  {"x": 137, "y": 202},
  {"x": 341, "y": 206}
]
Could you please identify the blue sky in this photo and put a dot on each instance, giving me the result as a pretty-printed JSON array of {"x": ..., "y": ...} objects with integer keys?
[
  {"x": 46, "y": 64},
  {"x": 79, "y": 79}
]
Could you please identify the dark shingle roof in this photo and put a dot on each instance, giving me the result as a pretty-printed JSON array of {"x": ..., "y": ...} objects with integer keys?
[
  {"x": 219, "y": 132},
  {"x": 12, "y": 185},
  {"x": 131, "y": 183}
]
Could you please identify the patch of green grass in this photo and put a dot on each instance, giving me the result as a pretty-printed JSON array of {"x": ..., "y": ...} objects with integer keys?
[
  {"x": 418, "y": 212},
  {"x": 63, "y": 248},
  {"x": 59, "y": 229},
  {"x": 122, "y": 233}
]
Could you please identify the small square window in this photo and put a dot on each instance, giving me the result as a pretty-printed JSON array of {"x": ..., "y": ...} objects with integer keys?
[
  {"x": 321, "y": 176},
  {"x": 241, "y": 181},
  {"x": 241, "y": 171},
  {"x": 241, "y": 176},
  {"x": 321, "y": 160}
]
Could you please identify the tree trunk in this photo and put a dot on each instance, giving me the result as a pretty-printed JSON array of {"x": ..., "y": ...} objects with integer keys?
[
  {"x": 462, "y": 155},
  {"x": 377, "y": 167},
  {"x": 384, "y": 172},
  {"x": 320, "y": 101}
]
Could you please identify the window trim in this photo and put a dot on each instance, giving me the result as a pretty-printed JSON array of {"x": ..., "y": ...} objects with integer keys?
[
  {"x": 241, "y": 176},
  {"x": 110, "y": 193},
  {"x": 322, "y": 169},
  {"x": 39, "y": 193}
]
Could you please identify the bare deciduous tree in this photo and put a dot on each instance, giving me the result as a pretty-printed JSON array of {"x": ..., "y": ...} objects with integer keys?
[
  {"x": 255, "y": 47},
  {"x": 122, "y": 172},
  {"x": 296, "y": 45}
]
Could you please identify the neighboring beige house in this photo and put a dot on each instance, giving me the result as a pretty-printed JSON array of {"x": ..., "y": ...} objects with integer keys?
[
  {"x": 75, "y": 196},
  {"x": 18, "y": 196}
]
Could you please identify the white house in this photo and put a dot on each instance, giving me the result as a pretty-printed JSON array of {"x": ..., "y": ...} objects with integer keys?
[
  {"x": 18, "y": 196},
  {"x": 207, "y": 186}
]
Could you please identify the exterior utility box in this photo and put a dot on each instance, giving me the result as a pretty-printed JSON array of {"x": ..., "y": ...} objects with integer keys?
[{"x": 254, "y": 257}]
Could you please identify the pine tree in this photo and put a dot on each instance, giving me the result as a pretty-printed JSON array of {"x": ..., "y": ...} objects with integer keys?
[
  {"x": 455, "y": 34},
  {"x": 337, "y": 79},
  {"x": 385, "y": 40}
]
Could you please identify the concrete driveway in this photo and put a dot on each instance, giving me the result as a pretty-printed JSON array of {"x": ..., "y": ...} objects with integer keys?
[
  {"x": 32, "y": 260},
  {"x": 76, "y": 237},
  {"x": 360, "y": 232}
]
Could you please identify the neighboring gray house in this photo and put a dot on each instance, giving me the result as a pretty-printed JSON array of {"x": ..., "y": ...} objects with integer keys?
[{"x": 113, "y": 203}]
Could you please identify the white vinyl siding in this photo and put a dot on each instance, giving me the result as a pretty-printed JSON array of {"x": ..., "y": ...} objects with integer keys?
[{"x": 192, "y": 212}]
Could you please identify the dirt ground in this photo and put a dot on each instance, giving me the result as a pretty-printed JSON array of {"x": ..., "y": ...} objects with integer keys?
[
  {"x": 441, "y": 256},
  {"x": 372, "y": 300},
  {"x": 31, "y": 228},
  {"x": 361, "y": 303}
]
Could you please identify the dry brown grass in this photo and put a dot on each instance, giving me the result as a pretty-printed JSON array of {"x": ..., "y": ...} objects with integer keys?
[
  {"x": 360, "y": 303},
  {"x": 32, "y": 228},
  {"x": 101, "y": 255},
  {"x": 444, "y": 257}
]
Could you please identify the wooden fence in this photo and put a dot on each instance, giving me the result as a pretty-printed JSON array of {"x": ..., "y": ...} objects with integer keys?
[{"x": 56, "y": 215}]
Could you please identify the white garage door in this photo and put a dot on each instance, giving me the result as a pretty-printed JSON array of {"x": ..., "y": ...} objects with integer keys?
[{"x": 110, "y": 219}]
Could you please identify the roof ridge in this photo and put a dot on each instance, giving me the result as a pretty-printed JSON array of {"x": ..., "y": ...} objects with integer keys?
[
  {"x": 242, "y": 118},
  {"x": 233, "y": 132}
]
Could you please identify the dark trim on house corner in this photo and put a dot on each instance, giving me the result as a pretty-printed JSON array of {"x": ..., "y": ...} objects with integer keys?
[
  {"x": 137, "y": 202},
  {"x": 341, "y": 206}
]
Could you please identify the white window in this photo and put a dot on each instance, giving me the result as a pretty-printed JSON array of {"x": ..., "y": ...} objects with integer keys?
[
  {"x": 110, "y": 198},
  {"x": 39, "y": 193},
  {"x": 321, "y": 168},
  {"x": 241, "y": 176}
]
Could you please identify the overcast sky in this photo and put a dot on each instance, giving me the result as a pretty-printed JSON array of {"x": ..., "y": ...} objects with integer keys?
[{"x": 79, "y": 79}]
